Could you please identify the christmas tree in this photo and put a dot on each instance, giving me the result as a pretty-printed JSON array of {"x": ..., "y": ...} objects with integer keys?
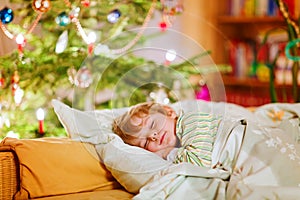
[{"x": 64, "y": 46}]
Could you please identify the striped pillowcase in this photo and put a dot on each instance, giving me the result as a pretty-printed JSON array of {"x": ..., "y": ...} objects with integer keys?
[{"x": 196, "y": 132}]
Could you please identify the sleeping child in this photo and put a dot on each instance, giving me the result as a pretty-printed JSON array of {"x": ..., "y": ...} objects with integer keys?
[{"x": 155, "y": 127}]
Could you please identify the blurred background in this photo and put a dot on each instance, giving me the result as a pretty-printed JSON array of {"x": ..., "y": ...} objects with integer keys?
[{"x": 94, "y": 54}]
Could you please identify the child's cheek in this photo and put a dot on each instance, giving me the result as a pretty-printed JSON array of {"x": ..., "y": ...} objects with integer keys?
[{"x": 153, "y": 147}]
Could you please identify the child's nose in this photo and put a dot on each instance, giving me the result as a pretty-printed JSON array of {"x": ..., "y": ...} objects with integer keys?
[{"x": 154, "y": 136}]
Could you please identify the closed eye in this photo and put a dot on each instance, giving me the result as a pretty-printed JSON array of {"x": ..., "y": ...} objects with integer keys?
[{"x": 152, "y": 124}]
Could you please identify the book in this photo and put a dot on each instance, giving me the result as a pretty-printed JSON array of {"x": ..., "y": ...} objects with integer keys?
[
  {"x": 241, "y": 56},
  {"x": 272, "y": 8},
  {"x": 248, "y": 8},
  {"x": 235, "y": 7},
  {"x": 261, "y": 7}
]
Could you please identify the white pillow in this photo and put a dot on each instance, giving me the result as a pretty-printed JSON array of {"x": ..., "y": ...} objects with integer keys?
[
  {"x": 90, "y": 123},
  {"x": 85, "y": 124},
  {"x": 132, "y": 166}
]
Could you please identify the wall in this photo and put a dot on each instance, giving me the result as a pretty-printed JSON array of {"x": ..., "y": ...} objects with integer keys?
[{"x": 199, "y": 21}]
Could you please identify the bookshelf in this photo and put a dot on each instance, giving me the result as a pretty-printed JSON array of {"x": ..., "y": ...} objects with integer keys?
[
  {"x": 251, "y": 92},
  {"x": 243, "y": 31},
  {"x": 230, "y": 20}
]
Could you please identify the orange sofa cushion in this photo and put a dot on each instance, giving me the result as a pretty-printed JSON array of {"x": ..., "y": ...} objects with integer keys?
[{"x": 53, "y": 166}]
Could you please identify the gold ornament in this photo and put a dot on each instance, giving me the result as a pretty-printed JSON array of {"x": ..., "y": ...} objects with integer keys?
[
  {"x": 287, "y": 17},
  {"x": 41, "y": 5}
]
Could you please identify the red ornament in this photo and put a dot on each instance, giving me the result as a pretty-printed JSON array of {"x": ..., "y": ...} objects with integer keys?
[
  {"x": 91, "y": 48},
  {"x": 163, "y": 25},
  {"x": 2, "y": 80},
  {"x": 86, "y": 3}
]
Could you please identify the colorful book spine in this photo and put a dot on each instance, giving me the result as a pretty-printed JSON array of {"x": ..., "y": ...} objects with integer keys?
[
  {"x": 272, "y": 8},
  {"x": 232, "y": 55},
  {"x": 248, "y": 8},
  {"x": 235, "y": 7},
  {"x": 241, "y": 57},
  {"x": 259, "y": 7}
]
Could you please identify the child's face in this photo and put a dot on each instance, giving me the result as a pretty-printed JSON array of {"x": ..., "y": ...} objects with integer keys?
[{"x": 157, "y": 133}]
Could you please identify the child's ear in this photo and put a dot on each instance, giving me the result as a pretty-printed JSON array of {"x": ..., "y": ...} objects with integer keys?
[{"x": 170, "y": 112}]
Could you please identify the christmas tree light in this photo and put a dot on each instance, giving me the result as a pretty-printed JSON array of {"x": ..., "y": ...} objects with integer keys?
[{"x": 40, "y": 115}]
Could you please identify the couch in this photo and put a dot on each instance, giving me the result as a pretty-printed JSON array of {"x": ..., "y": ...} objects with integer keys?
[{"x": 54, "y": 168}]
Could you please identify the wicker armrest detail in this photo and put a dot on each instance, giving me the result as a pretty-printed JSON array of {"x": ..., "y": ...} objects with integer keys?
[{"x": 8, "y": 175}]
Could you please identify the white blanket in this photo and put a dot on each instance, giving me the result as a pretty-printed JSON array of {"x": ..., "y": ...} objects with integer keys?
[
  {"x": 258, "y": 160},
  {"x": 187, "y": 181}
]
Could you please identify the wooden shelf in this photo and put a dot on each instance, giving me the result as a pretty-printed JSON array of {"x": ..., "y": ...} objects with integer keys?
[
  {"x": 252, "y": 92},
  {"x": 248, "y": 82},
  {"x": 244, "y": 82},
  {"x": 249, "y": 20}
]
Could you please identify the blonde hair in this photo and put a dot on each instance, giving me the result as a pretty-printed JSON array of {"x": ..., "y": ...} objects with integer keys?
[{"x": 122, "y": 125}]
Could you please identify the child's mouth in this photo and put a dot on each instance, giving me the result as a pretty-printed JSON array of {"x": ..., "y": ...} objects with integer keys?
[{"x": 162, "y": 138}]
